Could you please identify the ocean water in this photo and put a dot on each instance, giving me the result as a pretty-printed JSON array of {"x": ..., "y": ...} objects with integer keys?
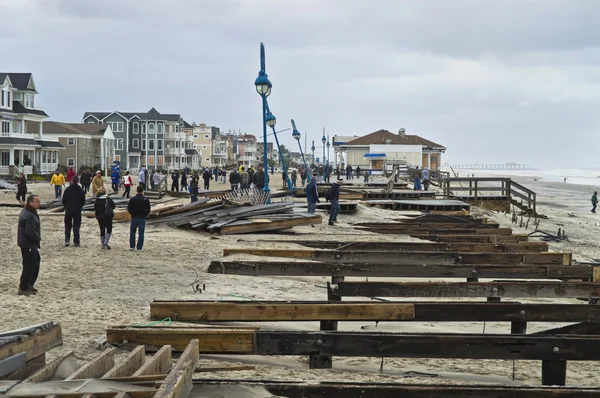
[{"x": 579, "y": 176}]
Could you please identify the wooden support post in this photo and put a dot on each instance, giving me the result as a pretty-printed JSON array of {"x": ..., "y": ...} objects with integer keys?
[
  {"x": 336, "y": 279},
  {"x": 493, "y": 299},
  {"x": 554, "y": 373},
  {"x": 321, "y": 361},
  {"x": 518, "y": 327}
]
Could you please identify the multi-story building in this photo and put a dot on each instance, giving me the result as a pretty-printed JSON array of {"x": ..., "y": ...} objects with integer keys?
[
  {"x": 151, "y": 139},
  {"x": 247, "y": 150},
  {"x": 23, "y": 146},
  {"x": 202, "y": 135},
  {"x": 86, "y": 145}
]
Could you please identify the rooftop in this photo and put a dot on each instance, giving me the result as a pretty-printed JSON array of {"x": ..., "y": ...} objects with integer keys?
[{"x": 385, "y": 137}]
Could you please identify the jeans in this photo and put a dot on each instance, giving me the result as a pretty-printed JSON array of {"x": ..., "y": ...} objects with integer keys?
[
  {"x": 72, "y": 221},
  {"x": 312, "y": 206},
  {"x": 137, "y": 224},
  {"x": 31, "y": 268},
  {"x": 57, "y": 191},
  {"x": 335, "y": 210},
  {"x": 127, "y": 191},
  {"x": 244, "y": 186},
  {"x": 417, "y": 184}
]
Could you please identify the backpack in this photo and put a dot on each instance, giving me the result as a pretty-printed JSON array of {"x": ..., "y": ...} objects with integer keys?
[{"x": 108, "y": 211}]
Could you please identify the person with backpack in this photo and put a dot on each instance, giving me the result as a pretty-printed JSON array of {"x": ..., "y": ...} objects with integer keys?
[
  {"x": 333, "y": 196},
  {"x": 127, "y": 183},
  {"x": 104, "y": 208},
  {"x": 73, "y": 201}
]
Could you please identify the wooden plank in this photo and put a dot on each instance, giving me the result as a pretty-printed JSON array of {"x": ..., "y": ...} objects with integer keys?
[
  {"x": 470, "y": 289},
  {"x": 133, "y": 362},
  {"x": 212, "y": 340},
  {"x": 457, "y": 231},
  {"x": 178, "y": 383},
  {"x": 293, "y": 253},
  {"x": 588, "y": 328},
  {"x": 47, "y": 372},
  {"x": 219, "y": 311},
  {"x": 273, "y": 225},
  {"x": 405, "y": 345},
  {"x": 160, "y": 363},
  {"x": 429, "y": 225},
  {"x": 258, "y": 268},
  {"x": 12, "y": 364},
  {"x": 35, "y": 344},
  {"x": 496, "y": 239},
  {"x": 97, "y": 367}
]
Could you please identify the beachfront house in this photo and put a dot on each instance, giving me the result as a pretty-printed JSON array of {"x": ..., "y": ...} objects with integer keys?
[
  {"x": 383, "y": 149},
  {"x": 23, "y": 146},
  {"x": 86, "y": 144},
  {"x": 151, "y": 139}
]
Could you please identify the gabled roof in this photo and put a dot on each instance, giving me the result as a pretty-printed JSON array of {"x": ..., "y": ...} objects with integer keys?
[
  {"x": 18, "y": 141},
  {"x": 19, "y": 108},
  {"x": 187, "y": 125},
  {"x": 20, "y": 81},
  {"x": 49, "y": 144},
  {"x": 381, "y": 137},
  {"x": 152, "y": 114},
  {"x": 191, "y": 152},
  {"x": 58, "y": 128}
]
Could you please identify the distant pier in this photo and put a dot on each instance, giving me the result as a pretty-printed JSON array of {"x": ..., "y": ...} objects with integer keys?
[{"x": 477, "y": 166}]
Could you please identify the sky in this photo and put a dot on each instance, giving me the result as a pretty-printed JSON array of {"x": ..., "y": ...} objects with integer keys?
[{"x": 493, "y": 81}]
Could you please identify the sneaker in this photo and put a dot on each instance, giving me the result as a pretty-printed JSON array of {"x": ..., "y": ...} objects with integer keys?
[
  {"x": 107, "y": 247},
  {"x": 67, "y": 244},
  {"x": 139, "y": 250},
  {"x": 131, "y": 249},
  {"x": 33, "y": 289},
  {"x": 331, "y": 223},
  {"x": 27, "y": 292},
  {"x": 76, "y": 245}
]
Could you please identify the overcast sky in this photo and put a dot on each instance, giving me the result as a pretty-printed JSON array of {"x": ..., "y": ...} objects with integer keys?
[{"x": 494, "y": 81}]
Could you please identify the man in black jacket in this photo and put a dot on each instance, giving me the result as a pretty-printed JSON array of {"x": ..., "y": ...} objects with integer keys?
[
  {"x": 334, "y": 197},
  {"x": 234, "y": 180},
  {"x": 207, "y": 176},
  {"x": 29, "y": 236},
  {"x": 260, "y": 178},
  {"x": 139, "y": 208},
  {"x": 175, "y": 181},
  {"x": 73, "y": 201}
]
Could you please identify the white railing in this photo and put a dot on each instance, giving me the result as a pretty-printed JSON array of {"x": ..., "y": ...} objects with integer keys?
[
  {"x": 175, "y": 151},
  {"x": 175, "y": 136},
  {"x": 48, "y": 168},
  {"x": 4, "y": 170}
]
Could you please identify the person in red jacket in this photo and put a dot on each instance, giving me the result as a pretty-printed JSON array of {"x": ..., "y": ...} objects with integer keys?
[{"x": 70, "y": 175}]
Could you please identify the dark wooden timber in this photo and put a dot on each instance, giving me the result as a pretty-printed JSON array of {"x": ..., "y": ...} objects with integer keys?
[
  {"x": 283, "y": 268},
  {"x": 258, "y": 311},
  {"x": 438, "y": 231},
  {"x": 524, "y": 247},
  {"x": 590, "y": 328},
  {"x": 429, "y": 225},
  {"x": 495, "y": 239},
  {"x": 470, "y": 289}
]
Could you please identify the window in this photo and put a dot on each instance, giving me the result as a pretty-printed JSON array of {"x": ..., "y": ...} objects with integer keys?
[
  {"x": 160, "y": 160},
  {"x": 116, "y": 127},
  {"x": 5, "y": 158},
  {"x": 71, "y": 141},
  {"x": 144, "y": 145},
  {"x": 71, "y": 162},
  {"x": 159, "y": 128},
  {"x": 203, "y": 146},
  {"x": 205, "y": 135},
  {"x": 90, "y": 121},
  {"x": 151, "y": 145},
  {"x": 54, "y": 156},
  {"x": 195, "y": 135},
  {"x": 17, "y": 128},
  {"x": 143, "y": 128},
  {"x": 151, "y": 128},
  {"x": 136, "y": 128},
  {"x": 6, "y": 97},
  {"x": 207, "y": 159},
  {"x": 135, "y": 143},
  {"x": 5, "y": 128},
  {"x": 171, "y": 128},
  {"x": 150, "y": 160},
  {"x": 119, "y": 146},
  {"x": 159, "y": 145}
]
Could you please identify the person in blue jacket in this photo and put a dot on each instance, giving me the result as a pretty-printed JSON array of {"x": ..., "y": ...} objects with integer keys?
[
  {"x": 312, "y": 196},
  {"x": 116, "y": 179}
]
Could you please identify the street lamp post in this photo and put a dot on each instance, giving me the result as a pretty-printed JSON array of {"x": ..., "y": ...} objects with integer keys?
[
  {"x": 312, "y": 148},
  {"x": 329, "y": 159},
  {"x": 296, "y": 135},
  {"x": 263, "y": 88},
  {"x": 324, "y": 140},
  {"x": 271, "y": 121}
]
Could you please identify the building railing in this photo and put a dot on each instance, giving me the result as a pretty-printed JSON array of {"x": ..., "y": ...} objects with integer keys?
[
  {"x": 175, "y": 151},
  {"x": 175, "y": 136}
]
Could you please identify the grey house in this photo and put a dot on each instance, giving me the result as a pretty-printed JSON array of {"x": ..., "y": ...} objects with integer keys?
[{"x": 151, "y": 139}]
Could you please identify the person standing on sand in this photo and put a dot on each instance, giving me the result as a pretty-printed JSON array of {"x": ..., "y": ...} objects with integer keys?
[
  {"x": 97, "y": 183},
  {"x": 21, "y": 189},
  {"x": 29, "y": 236},
  {"x": 594, "y": 201},
  {"x": 127, "y": 183},
  {"x": 115, "y": 179},
  {"x": 142, "y": 177},
  {"x": 244, "y": 179},
  {"x": 194, "y": 187},
  {"x": 312, "y": 196},
  {"x": 333, "y": 196},
  {"x": 70, "y": 175},
  {"x": 58, "y": 180},
  {"x": 207, "y": 176},
  {"x": 184, "y": 181},
  {"x": 139, "y": 208},
  {"x": 104, "y": 208},
  {"x": 85, "y": 180},
  {"x": 73, "y": 201}
]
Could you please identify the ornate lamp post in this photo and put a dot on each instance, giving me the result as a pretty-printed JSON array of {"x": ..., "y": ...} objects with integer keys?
[
  {"x": 329, "y": 159},
  {"x": 312, "y": 148},
  {"x": 324, "y": 140},
  {"x": 296, "y": 135},
  {"x": 271, "y": 122},
  {"x": 263, "y": 88}
]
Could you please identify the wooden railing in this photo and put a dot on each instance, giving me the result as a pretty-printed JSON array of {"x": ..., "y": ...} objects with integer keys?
[{"x": 479, "y": 187}]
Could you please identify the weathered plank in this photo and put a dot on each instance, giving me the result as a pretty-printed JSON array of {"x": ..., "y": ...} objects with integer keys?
[
  {"x": 496, "y": 239},
  {"x": 438, "y": 231},
  {"x": 47, "y": 372},
  {"x": 223, "y": 311},
  {"x": 97, "y": 367},
  {"x": 248, "y": 227},
  {"x": 178, "y": 383},
  {"x": 35, "y": 344},
  {"x": 470, "y": 289},
  {"x": 160, "y": 363},
  {"x": 429, "y": 225},
  {"x": 133, "y": 362},
  {"x": 211, "y": 340},
  {"x": 258, "y": 268}
]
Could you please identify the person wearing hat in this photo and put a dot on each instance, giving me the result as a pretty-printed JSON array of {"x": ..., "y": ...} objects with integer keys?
[
  {"x": 97, "y": 183},
  {"x": 104, "y": 209},
  {"x": 333, "y": 196}
]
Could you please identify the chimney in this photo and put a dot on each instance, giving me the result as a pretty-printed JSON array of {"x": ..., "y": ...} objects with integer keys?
[{"x": 401, "y": 132}]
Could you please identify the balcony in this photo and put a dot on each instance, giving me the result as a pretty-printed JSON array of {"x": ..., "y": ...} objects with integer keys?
[
  {"x": 189, "y": 138},
  {"x": 175, "y": 136},
  {"x": 175, "y": 151}
]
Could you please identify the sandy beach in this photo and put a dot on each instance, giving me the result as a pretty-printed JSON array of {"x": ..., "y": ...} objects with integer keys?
[{"x": 87, "y": 289}]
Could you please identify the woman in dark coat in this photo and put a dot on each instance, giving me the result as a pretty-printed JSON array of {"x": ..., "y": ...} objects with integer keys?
[
  {"x": 21, "y": 189},
  {"x": 105, "y": 222}
]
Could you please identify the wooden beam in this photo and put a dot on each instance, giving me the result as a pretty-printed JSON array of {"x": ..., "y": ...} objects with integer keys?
[
  {"x": 178, "y": 383},
  {"x": 470, "y": 289},
  {"x": 272, "y": 225},
  {"x": 160, "y": 363},
  {"x": 257, "y": 311},
  {"x": 47, "y": 372},
  {"x": 588, "y": 328},
  {"x": 34, "y": 344},
  {"x": 496, "y": 239},
  {"x": 97, "y": 367},
  {"x": 410, "y": 257},
  {"x": 212, "y": 340},
  {"x": 219, "y": 311},
  {"x": 429, "y": 225},
  {"x": 133, "y": 362},
  {"x": 439, "y": 231},
  {"x": 257, "y": 268},
  {"x": 405, "y": 345}
]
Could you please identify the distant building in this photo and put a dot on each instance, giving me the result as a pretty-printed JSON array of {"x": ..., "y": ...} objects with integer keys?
[
  {"x": 382, "y": 149},
  {"x": 247, "y": 150},
  {"x": 23, "y": 147},
  {"x": 86, "y": 145}
]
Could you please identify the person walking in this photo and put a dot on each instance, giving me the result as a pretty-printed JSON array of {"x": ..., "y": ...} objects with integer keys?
[
  {"x": 244, "y": 179},
  {"x": 217, "y": 173},
  {"x": 115, "y": 179},
  {"x": 152, "y": 180},
  {"x": 251, "y": 173},
  {"x": 366, "y": 175},
  {"x": 58, "y": 180},
  {"x": 260, "y": 178},
  {"x": 294, "y": 177},
  {"x": 127, "y": 184},
  {"x": 594, "y": 201},
  {"x": 207, "y": 176},
  {"x": 234, "y": 180},
  {"x": 97, "y": 183},
  {"x": 29, "y": 237},
  {"x": 334, "y": 198},
  {"x": 194, "y": 187},
  {"x": 104, "y": 209},
  {"x": 348, "y": 172},
  {"x": 73, "y": 201},
  {"x": 156, "y": 179},
  {"x": 312, "y": 196},
  {"x": 142, "y": 177},
  {"x": 85, "y": 180},
  {"x": 139, "y": 208},
  {"x": 21, "y": 189},
  {"x": 358, "y": 172},
  {"x": 416, "y": 179},
  {"x": 70, "y": 175},
  {"x": 303, "y": 176},
  {"x": 425, "y": 178},
  {"x": 175, "y": 181},
  {"x": 184, "y": 181}
]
